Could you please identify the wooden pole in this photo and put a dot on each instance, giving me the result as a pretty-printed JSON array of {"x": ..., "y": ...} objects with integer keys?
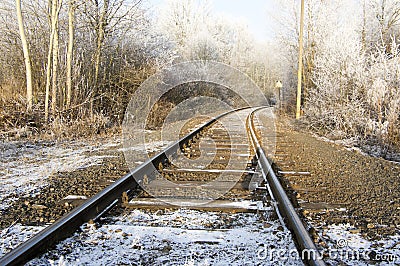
[{"x": 300, "y": 68}]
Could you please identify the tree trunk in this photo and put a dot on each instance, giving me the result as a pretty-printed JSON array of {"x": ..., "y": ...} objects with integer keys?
[
  {"x": 71, "y": 17},
  {"x": 100, "y": 38},
  {"x": 99, "y": 45},
  {"x": 49, "y": 57},
  {"x": 54, "y": 17},
  {"x": 25, "y": 48},
  {"x": 364, "y": 29}
]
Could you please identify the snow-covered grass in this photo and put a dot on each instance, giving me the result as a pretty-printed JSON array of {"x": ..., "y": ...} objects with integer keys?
[
  {"x": 182, "y": 237},
  {"x": 25, "y": 167}
]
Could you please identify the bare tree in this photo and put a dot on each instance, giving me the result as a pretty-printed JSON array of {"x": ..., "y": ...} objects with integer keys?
[
  {"x": 100, "y": 38},
  {"x": 70, "y": 49},
  {"x": 106, "y": 19},
  {"x": 27, "y": 60},
  {"x": 56, "y": 6},
  {"x": 53, "y": 14},
  {"x": 388, "y": 16},
  {"x": 183, "y": 21},
  {"x": 389, "y": 20}
]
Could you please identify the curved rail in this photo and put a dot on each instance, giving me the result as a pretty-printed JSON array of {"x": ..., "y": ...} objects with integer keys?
[
  {"x": 99, "y": 204},
  {"x": 308, "y": 251}
]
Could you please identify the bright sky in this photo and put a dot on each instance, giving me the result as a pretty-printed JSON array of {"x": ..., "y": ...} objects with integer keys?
[{"x": 253, "y": 12}]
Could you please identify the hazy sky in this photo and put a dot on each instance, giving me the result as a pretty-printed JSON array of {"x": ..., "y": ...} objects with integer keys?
[{"x": 253, "y": 12}]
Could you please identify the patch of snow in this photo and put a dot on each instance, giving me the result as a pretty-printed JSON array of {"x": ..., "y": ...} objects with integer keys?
[
  {"x": 153, "y": 146},
  {"x": 25, "y": 167},
  {"x": 366, "y": 150},
  {"x": 112, "y": 144},
  {"x": 352, "y": 249},
  {"x": 13, "y": 236},
  {"x": 182, "y": 237},
  {"x": 74, "y": 197}
]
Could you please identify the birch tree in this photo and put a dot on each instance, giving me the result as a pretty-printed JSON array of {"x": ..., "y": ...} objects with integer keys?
[
  {"x": 52, "y": 12},
  {"x": 56, "y": 6},
  {"x": 70, "y": 49},
  {"x": 27, "y": 60}
]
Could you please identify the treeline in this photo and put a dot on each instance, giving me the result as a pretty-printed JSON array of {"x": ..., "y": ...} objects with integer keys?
[
  {"x": 351, "y": 64},
  {"x": 70, "y": 59},
  {"x": 64, "y": 61}
]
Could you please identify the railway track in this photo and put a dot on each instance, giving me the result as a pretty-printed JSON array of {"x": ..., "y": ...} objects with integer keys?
[{"x": 220, "y": 169}]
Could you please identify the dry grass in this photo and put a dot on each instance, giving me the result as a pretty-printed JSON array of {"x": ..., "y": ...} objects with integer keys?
[
  {"x": 97, "y": 125},
  {"x": 17, "y": 124}
]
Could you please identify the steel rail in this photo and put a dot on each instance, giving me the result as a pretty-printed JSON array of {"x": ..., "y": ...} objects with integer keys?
[
  {"x": 99, "y": 204},
  {"x": 307, "y": 249}
]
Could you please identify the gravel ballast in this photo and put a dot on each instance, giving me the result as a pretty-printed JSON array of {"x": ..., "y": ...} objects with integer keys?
[{"x": 344, "y": 186}]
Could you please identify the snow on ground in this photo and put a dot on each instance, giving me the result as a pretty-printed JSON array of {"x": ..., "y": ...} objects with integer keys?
[
  {"x": 153, "y": 146},
  {"x": 182, "y": 237},
  {"x": 351, "y": 144},
  {"x": 353, "y": 249},
  {"x": 10, "y": 238},
  {"x": 25, "y": 167}
]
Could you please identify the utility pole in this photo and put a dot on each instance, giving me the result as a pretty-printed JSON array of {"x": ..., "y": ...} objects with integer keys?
[{"x": 300, "y": 68}]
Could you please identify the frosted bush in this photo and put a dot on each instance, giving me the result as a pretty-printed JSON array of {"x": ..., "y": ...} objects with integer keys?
[
  {"x": 377, "y": 92},
  {"x": 355, "y": 92}
]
